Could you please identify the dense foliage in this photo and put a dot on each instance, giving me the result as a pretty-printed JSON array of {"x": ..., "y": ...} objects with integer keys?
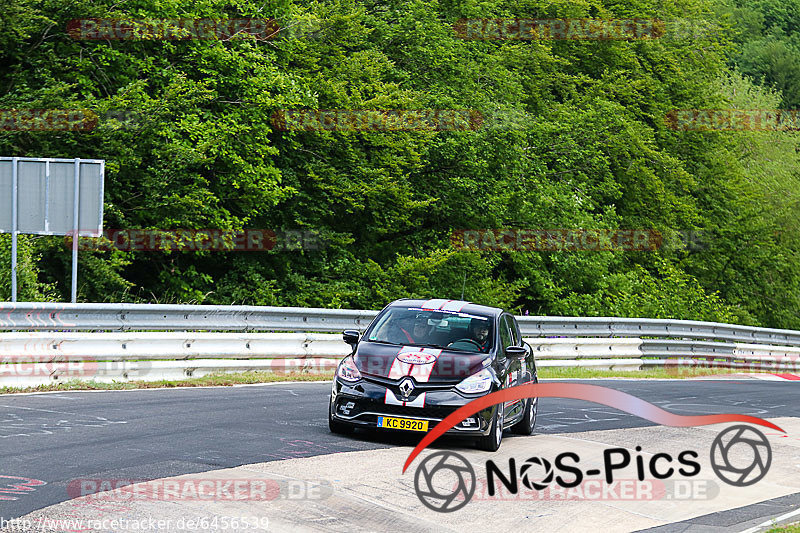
[{"x": 576, "y": 138}]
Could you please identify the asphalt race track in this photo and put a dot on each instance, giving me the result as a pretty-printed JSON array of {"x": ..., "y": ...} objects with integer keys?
[{"x": 159, "y": 433}]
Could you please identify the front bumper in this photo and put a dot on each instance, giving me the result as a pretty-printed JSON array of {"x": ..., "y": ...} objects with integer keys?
[{"x": 361, "y": 403}]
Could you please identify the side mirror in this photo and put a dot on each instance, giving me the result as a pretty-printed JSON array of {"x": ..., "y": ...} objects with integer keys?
[
  {"x": 516, "y": 352},
  {"x": 350, "y": 336}
]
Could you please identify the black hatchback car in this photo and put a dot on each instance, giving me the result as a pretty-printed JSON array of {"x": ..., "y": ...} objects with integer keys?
[{"x": 420, "y": 360}]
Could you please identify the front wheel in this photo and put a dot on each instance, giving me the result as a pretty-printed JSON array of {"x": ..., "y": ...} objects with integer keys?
[{"x": 491, "y": 442}]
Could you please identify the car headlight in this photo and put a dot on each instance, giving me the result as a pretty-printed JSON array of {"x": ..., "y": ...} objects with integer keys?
[
  {"x": 347, "y": 369},
  {"x": 480, "y": 382}
]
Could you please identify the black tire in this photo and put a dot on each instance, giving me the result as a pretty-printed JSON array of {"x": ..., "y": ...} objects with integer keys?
[
  {"x": 528, "y": 422},
  {"x": 339, "y": 428},
  {"x": 492, "y": 441}
]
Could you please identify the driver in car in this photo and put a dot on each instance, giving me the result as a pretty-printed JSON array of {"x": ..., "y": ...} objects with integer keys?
[{"x": 479, "y": 330}]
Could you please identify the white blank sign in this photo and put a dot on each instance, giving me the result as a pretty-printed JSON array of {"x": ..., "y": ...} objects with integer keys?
[{"x": 46, "y": 195}]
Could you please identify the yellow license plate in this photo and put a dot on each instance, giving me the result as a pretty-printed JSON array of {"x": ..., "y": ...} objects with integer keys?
[{"x": 402, "y": 423}]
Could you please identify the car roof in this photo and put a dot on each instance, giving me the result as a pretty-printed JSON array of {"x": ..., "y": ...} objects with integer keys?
[{"x": 449, "y": 305}]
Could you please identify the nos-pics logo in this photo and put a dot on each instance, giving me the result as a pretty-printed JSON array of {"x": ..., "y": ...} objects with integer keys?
[{"x": 445, "y": 481}]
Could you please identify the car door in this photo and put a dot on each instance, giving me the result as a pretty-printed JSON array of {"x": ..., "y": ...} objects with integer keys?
[
  {"x": 527, "y": 367},
  {"x": 509, "y": 336}
]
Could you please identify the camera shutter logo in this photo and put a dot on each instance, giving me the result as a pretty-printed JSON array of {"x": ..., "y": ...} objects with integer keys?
[
  {"x": 451, "y": 498},
  {"x": 528, "y": 480},
  {"x": 728, "y": 469}
]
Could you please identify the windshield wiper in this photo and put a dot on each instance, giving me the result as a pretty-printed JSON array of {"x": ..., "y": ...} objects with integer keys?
[
  {"x": 385, "y": 342},
  {"x": 427, "y": 345}
]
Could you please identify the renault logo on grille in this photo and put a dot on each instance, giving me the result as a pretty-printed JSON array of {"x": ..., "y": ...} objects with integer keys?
[{"x": 406, "y": 387}]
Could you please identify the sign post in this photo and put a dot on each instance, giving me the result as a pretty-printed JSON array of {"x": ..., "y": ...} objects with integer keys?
[
  {"x": 14, "y": 207},
  {"x": 76, "y": 203},
  {"x": 51, "y": 197}
]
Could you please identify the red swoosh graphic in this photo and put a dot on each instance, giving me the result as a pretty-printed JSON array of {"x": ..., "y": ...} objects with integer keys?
[{"x": 580, "y": 391}]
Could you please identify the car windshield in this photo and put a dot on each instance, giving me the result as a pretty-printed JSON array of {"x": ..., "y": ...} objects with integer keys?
[{"x": 439, "y": 329}]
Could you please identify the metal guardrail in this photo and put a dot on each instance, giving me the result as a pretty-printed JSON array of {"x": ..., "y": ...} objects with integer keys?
[
  {"x": 157, "y": 317},
  {"x": 107, "y": 342},
  {"x": 131, "y": 346},
  {"x": 546, "y": 326},
  {"x": 36, "y": 358}
]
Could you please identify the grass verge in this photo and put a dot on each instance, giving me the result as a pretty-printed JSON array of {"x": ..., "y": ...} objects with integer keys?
[
  {"x": 650, "y": 373},
  {"x": 243, "y": 378},
  {"x": 790, "y": 528},
  {"x": 212, "y": 380}
]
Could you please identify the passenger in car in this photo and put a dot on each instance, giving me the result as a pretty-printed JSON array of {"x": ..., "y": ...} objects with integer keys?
[
  {"x": 408, "y": 330},
  {"x": 421, "y": 332}
]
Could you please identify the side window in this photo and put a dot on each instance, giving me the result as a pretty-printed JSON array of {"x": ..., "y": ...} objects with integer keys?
[
  {"x": 505, "y": 334},
  {"x": 380, "y": 329},
  {"x": 514, "y": 330}
]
